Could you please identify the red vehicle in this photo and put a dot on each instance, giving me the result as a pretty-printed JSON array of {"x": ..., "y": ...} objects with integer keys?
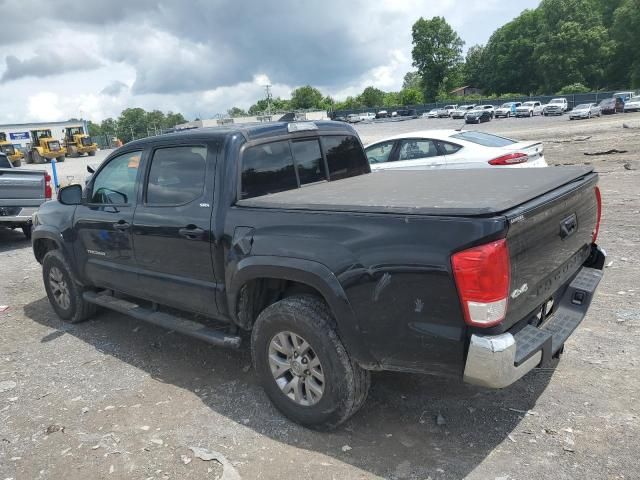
[{"x": 612, "y": 105}]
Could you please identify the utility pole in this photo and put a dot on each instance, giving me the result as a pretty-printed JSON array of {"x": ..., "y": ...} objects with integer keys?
[{"x": 267, "y": 89}]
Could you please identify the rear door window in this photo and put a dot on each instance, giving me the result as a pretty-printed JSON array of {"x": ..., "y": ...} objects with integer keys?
[
  {"x": 345, "y": 157},
  {"x": 415, "y": 149},
  {"x": 267, "y": 169},
  {"x": 177, "y": 175},
  {"x": 448, "y": 148}
]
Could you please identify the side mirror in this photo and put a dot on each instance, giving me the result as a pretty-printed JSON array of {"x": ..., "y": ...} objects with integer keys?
[
  {"x": 70, "y": 195},
  {"x": 90, "y": 169}
]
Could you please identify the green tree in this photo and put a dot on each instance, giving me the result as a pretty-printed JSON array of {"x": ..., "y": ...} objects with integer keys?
[
  {"x": 410, "y": 96},
  {"x": 437, "y": 51},
  {"x": 109, "y": 126},
  {"x": 573, "y": 88},
  {"x": 132, "y": 124},
  {"x": 391, "y": 99},
  {"x": 508, "y": 56},
  {"x": 94, "y": 129},
  {"x": 626, "y": 34},
  {"x": 474, "y": 66},
  {"x": 306, "y": 97},
  {"x": 371, "y": 97},
  {"x": 412, "y": 80},
  {"x": 236, "y": 112},
  {"x": 573, "y": 45},
  {"x": 172, "y": 119}
]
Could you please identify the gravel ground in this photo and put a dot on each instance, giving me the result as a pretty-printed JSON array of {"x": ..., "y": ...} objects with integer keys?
[{"x": 114, "y": 398}]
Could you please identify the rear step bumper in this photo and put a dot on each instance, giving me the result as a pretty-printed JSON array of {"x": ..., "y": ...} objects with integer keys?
[
  {"x": 165, "y": 320},
  {"x": 498, "y": 361}
]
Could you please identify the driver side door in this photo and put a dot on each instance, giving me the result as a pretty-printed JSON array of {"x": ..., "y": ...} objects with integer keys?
[{"x": 102, "y": 225}]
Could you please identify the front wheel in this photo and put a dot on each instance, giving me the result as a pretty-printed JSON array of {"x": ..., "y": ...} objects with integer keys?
[
  {"x": 36, "y": 157},
  {"x": 92, "y": 153},
  {"x": 303, "y": 366},
  {"x": 60, "y": 159},
  {"x": 64, "y": 292}
]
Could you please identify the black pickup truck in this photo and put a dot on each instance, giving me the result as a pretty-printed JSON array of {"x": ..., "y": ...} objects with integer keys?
[{"x": 282, "y": 232}]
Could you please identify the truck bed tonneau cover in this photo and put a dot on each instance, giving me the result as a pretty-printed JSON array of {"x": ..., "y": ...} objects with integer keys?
[{"x": 434, "y": 192}]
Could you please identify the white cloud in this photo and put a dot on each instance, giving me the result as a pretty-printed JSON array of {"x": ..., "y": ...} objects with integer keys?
[{"x": 211, "y": 56}]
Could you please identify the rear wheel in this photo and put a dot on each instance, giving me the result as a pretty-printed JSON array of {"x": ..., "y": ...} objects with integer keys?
[
  {"x": 26, "y": 229},
  {"x": 17, "y": 163},
  {"x": 92, "y": 153},
  {"x": 60, "y": 159},
  {"x": 64, "y": 292},
  {"x": 303, "y": 366}
]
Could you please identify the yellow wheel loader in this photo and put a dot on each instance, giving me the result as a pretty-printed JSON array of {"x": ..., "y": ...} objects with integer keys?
[
  {"x": 78, "y": 143},
  {"x": 44, "y": 147},
  {"x": 14, "y": 155}
]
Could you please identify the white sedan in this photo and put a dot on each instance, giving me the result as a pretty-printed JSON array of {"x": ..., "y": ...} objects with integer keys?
[{"x": 452, "y": 149}]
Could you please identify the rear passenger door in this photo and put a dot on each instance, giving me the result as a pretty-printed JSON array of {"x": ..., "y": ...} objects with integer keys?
[
  {"x": 418, "y": 154},
  {"x": 172, "y": 228}
]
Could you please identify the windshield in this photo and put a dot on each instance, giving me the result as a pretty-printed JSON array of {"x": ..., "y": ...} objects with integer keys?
[
  {"x": 584, "y": 106},
  {"x": 557, "y": 100},
  {"x": 528, "y": 104},
  {"x": 506, "y": 105},
  {"x": 484, "y": 139}
]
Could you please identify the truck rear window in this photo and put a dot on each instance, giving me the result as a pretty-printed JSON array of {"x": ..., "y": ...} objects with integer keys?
[
  {"x": 285, "y": 165},
  {"x": 345, "y": 157}
]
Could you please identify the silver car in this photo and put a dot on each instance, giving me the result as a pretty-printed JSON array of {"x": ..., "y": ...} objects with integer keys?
[{"x": 585, "y": 110}]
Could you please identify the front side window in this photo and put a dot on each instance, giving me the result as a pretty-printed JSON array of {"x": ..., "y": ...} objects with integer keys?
[
  {"x": 309, "y": 161},
  {"x": 380, "y": 152},
  {"x": 267, "y": 169},
  {"x": 415, "y": 149},
  {"x": 177, "y": 175},
  {"x": 345, "y": 157},
  {"x": 115, "y": 183}
]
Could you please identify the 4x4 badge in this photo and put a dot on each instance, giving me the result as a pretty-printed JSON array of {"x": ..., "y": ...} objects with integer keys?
[{"x": 519, "y": 291}]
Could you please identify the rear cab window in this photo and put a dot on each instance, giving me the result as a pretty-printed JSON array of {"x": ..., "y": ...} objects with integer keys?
[
  {"x": 484, "y": 139},
  {"x": 287, "y": 164}
]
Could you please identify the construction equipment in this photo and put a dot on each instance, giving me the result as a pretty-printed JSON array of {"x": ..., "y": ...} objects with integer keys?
[
  {"x": 77, "y": 142},
  {"x": 44, "y": 147},
  {"x": 14, "y": 155}
]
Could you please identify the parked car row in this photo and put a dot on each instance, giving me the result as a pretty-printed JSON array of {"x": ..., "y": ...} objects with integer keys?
[{"x": 621, "y": 102}]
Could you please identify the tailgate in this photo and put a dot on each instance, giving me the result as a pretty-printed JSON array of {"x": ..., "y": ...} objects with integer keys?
[
  {"x": 549, "y": 239},
  {"x": 21, "y": 188}
]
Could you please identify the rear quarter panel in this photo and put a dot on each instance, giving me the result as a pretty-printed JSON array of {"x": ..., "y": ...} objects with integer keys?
[{"x": 395, "y": 271}]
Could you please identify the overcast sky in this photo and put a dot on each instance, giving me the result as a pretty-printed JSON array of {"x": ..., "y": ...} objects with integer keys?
[{"x": 92, "y": 58}]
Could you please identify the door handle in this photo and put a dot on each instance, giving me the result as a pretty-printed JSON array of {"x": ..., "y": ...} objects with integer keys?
[
  {"x": 121, "y": 225},
  {"x": 191, "y": 233}
]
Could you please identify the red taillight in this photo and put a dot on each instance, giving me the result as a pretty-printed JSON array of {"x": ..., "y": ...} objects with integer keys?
[
  {"x": 510, "y": 159},
  {"x": 599, "y": 215},
  {"x": 482, "y": 275},
  {"x": 48, "y": 192}
]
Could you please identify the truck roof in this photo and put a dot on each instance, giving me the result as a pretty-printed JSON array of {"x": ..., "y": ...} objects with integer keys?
[{"x": 250, "y": 131}]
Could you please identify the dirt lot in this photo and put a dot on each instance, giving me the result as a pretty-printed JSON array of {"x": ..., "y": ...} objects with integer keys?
[{"x": 114, "y": 398}]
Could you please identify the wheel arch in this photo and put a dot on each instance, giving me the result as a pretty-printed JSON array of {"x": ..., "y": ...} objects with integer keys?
[{"x": 308, "y": 276}]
